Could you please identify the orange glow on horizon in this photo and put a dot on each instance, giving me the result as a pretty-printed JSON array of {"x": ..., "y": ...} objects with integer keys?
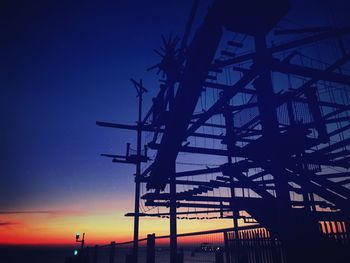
[{"x": 99, "y": 228}]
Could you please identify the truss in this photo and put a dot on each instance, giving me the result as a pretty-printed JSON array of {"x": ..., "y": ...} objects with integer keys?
[{"x": 270, "y": 123}]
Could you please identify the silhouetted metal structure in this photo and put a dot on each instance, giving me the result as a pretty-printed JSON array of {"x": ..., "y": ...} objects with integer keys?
[{"x": 276, "y": 125}]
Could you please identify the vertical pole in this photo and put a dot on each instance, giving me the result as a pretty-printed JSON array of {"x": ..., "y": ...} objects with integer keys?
[
  {"x": 151, "y": 248},
  {"x": 140, "y": 91},
  {"x": 346, "y": 227},
  {"x": 173, "y": 230},
  {"x": 95, "y": 254},
  {"x": 291, "y": 116},
  {"x": 268, "y": 115},
  {"x": 83, "y": 242},
  {"x": 172, "y": 183},
  {"x": 269, "y": 122},
  {"x": 112, "y": 252},
  {"x": 307, "y": 197},
  {"x": 312, "y": 100},
  {"x": 230, "y": 143},
  {"x": 180, "y": 256}
]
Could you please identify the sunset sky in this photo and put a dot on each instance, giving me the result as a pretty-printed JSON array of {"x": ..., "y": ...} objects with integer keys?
[{"x": 66, "y": 65}]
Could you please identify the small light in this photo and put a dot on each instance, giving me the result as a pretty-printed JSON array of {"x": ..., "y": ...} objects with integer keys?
[
  {"x": 77, "y": 235},
  {"x": 75, "y": 252}
]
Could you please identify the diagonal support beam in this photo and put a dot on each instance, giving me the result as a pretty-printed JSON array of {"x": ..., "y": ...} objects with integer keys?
[
  {"x": 228, "y": 94},
  {"x": 314, "y": 80},
  {"x": 321, "y": 190}
]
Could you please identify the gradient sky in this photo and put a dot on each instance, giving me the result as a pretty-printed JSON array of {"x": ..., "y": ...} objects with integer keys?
[{"x": 64, "y": 65}]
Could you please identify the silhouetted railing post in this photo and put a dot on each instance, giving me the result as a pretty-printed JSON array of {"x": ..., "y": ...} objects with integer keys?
[
  {"x": 86, "y": 255},
  {"x": 129, "y": 258},
  {"x": 151, "y": 248},
  {"x": 180, "y": 256},
  {"x": 346, "y": 227},
  {"x": 112, "y": 252},
  {"x": 219, "y": 256},
  {"x": 94, "y": 260},
  {"x": 227, "y": 247},
  {"x": 275, "y": 250}
]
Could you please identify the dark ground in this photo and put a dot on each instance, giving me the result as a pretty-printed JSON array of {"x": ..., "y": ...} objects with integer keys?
[{"x": 34, "y": 254}]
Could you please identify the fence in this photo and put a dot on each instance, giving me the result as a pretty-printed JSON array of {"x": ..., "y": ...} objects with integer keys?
[
  {"x": 249, "y": 244},
  {"x": 253, "y": 246},
  {"x": 336, "y": 231}
]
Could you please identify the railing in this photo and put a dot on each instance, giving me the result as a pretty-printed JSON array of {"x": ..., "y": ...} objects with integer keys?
[
  {"x": 336, "y": 231},
  {"x": 253, "y": 246},
  {"x": 249, "y": 244},
  {"x": 204, "y": 246}
]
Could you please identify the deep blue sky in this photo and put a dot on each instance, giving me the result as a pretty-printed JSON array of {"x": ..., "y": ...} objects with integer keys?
[{"x": 66, "y": 64}]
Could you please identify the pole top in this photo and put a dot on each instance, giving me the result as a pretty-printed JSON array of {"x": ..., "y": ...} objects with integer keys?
[{"x": 139, "y": 86}]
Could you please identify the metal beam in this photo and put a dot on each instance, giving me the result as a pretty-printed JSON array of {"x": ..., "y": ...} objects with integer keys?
[
  {"x": 322, "y": 191},
  {"x": 151, "y": 128},
  {"x": 224, "y": 87},
  {"x": 227, "y": 95},
  {"x": 200, "y": 172},
  {"x": 333, "y": 147},
  {"x": 336, "y": 175},
  {"x": 199, "y": 58},
  {"x": 242, "y": 203},
  {"x": 314, "y": 80},
  {"x": 303, "y": 30},
  {"x": 308, "y": 72},
  {"x": 254, "y": 185},
  {"x": 179, "y": 213},
  {"x": 208, "y": 151},
  {"x": 285, "y": 46}
]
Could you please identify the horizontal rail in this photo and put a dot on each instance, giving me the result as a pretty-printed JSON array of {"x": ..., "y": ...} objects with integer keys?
[
  {"x": 211, "y": 231},
  {"x": 206, "y": 232}
]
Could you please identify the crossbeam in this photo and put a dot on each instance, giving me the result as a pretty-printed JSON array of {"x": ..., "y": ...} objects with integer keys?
[
  {"x": 284, "y": 47},
  {"x": 308, "y": 72}
]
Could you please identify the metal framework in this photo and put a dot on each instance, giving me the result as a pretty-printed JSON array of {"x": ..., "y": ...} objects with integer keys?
[{"x": 269, "y": 122}]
